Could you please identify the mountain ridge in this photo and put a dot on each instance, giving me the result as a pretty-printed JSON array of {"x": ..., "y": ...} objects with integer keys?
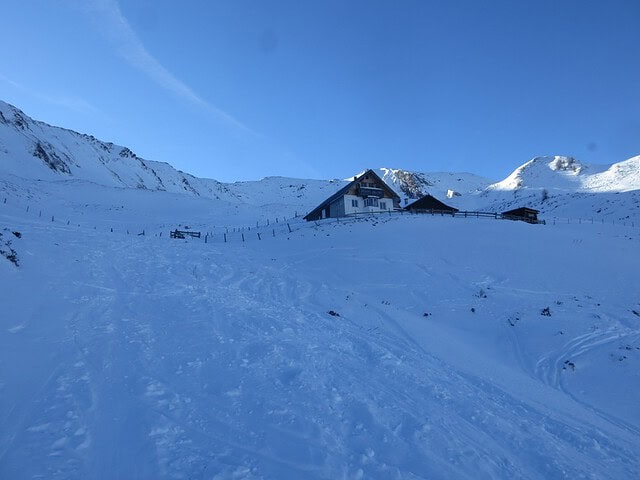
[{"x": 35, "y": 150}]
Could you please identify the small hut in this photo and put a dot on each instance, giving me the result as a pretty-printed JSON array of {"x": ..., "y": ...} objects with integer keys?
[
  {"x": 523, "y": 214},
  {"x": 429, "y": 203}
]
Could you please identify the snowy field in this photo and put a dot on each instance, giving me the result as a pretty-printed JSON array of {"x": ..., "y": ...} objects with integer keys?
[{"x": 411, "y": 347}]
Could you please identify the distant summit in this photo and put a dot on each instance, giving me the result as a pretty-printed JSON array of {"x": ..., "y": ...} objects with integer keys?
[{"x": 568, "y": 174}]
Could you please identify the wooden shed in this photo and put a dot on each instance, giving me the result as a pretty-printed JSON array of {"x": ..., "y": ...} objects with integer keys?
[
  {"x": 429, "y": 203},
  {"x": 523, "y": 214}
]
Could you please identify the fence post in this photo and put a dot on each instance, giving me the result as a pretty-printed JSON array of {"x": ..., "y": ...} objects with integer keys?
[
  {"x": 274, "y": 232},
  {"x": 27, "y": 208},
  {"x": 243, "y": 237},
  {"x": 52, "y": 218},
  {"x": 289, "y": 226},
  {"x": 258, "y": 236},
  {"x": 206, "y": 238},
  {"x": 225, "y": 237},
  {"x": 40, "y": 214},
  {"x": 267, "y": 221},
  {"x": 68, "y": 221}
]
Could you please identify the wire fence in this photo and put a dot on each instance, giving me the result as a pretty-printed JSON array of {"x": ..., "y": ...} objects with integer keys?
[
  {"x": 266, "y": 229},
  {"x": 261, "y": 230}
]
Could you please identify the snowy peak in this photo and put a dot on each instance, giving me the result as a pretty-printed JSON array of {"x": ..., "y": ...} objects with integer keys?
[
  {"x": 568, "y": 174},
  {"x": 37, "y": 151},
  {"x": 568, "y": 165},
  {"x": 556, "y": 172},
  {"x": 412, "y": 185}
]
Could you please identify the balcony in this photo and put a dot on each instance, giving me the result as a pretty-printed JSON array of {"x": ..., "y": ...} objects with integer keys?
[{"x": 370, "y": 192}]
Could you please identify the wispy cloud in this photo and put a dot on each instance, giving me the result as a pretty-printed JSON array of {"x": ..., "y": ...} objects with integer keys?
[
  {"x": 70, "y": 102},
  {"x": 131, "y": 48}
]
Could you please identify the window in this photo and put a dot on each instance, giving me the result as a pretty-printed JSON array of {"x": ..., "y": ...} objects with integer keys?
[
  {"x": 354, "y": 203},
  {"x": 370, "y": 202},
  {"x": 383, "y": 205}
]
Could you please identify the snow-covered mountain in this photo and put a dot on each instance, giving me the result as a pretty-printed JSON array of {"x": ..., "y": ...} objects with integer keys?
[
  {"x": 566, "y": 174},
  {"x": 557, "y": 186},
  {"x": 567, "y": 188},
  {"x": 50, "y": 156},
  {"x": 412, "y": 185},
  {"x": 34, "y": 150}
]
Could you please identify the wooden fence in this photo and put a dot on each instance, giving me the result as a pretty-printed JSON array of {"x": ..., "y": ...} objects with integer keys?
[{"x": 442, "y": 213}]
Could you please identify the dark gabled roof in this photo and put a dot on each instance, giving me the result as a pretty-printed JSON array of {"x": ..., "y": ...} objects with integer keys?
[
  {"x": 429, "y": 202},
  {"x": 520, "y": 211},
  {"x": 346, "y": 188}
]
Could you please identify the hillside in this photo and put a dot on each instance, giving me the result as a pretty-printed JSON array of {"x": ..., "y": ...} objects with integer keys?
[
  {"x": 344, "y": 350},
  {"x": 567, "y": 188}
]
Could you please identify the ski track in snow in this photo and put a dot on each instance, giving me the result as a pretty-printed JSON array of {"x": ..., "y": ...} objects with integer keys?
[{"x": 159, "y": 359}]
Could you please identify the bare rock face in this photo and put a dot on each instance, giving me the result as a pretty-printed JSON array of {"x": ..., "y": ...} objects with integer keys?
[
  {"x": 566, "y": 164},
  {"x": 412, "y": 184},
  {"x": 48, "y": 155}
]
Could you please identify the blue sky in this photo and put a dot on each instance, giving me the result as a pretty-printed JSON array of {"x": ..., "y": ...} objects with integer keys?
[{"x": 242, "y": 89}]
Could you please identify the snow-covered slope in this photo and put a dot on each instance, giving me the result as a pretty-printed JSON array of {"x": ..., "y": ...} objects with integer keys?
[
  {"x": 398, "y": 347},
  {"x": 565, "y": 188},
  {"x": 33, "y": 150}
]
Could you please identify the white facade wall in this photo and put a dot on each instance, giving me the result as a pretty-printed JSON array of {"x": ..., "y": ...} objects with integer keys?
[{"x": 350, "y": 209}]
